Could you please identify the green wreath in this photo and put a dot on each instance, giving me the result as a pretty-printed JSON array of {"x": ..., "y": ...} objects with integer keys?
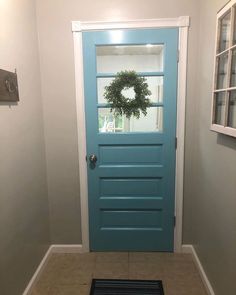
[{"x": 122, "y": 105}]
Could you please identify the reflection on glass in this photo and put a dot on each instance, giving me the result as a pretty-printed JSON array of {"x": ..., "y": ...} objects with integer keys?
[
  {"x": 233, "y": 70},
  {"x": 155, "y": 85},
  {"x": 232, "y": 110},
  {"x": 139, "y": 58},
  {"x": 222, "y": 71},
  {"x": 219, "y": 108},
  {"x": 108, "y": 123},
  {"x": 224, "y": 32}
]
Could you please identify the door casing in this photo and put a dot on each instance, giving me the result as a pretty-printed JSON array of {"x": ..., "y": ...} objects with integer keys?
[{"x": 77, "y": 28}]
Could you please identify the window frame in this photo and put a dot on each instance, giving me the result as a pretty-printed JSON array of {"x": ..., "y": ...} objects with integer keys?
[{"x": 225, "y": 129}]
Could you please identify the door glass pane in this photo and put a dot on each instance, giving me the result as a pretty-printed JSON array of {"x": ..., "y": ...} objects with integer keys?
[
  {"x": 224, "y": 32},
  {"x": 232, "y": 110},
  {"x": 108, "y": 123},
  {"x": 222, "y": 71},
  {"x": 139, "y": 58},
  {"x": 233, "y": 69},
  {"x": 155, "y": 85},
  {"x": 220, "y": 108}
]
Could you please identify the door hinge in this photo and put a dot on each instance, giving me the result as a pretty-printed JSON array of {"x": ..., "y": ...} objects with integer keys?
[
  {"x": 178, "y": 54},
  {"x": 86, "y": 159},
  {"x": 174, "y": 221},
  {"x": 176, "y": 143}
]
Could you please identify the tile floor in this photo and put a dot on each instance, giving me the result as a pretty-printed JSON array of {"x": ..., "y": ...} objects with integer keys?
[{"x": 71, "y": 274}]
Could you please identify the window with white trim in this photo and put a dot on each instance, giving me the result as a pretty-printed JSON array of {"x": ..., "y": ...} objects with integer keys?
[{"x": 224, "y": 89}]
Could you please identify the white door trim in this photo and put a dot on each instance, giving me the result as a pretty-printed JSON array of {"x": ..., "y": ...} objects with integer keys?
[
  {"x": 182, "y": 21},
  {"x": 77, "y": 28}
]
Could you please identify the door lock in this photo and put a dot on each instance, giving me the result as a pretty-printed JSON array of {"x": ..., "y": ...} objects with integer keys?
[{"x": 93, "y": 159}]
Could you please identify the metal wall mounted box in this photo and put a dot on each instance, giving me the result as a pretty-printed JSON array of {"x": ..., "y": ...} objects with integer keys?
[{"x": 8, "y": 87}]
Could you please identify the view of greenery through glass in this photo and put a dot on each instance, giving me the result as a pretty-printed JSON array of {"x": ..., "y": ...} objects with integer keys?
[
  {"x": 148, "y": 58},
  {"x": 104, "y": 119}
]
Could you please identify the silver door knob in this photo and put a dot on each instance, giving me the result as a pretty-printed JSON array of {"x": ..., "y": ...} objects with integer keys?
[{"x": 93, "y": 159}]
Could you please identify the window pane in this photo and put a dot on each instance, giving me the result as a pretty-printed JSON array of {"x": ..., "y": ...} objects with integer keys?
[
  {"x": 139, "y": 58},
  {"x": 153, "y": 121},
  {"x": 233, "y": 70},
  {"x": 222, "y": 72},
  {"x": 232, "y": 110},
  {"x": 155, "y": 85},
  {"x": 234, "y": 36},
  {"x": 220, "y": 108},
  {"x": 224, "y": 32}
]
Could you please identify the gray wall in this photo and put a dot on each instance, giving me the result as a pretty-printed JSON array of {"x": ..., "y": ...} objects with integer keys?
[
  {"x": 24, "y": 224},
  {"x": 210, "y": 198},
  {"x": 210, "y": 162},
  {"x": 58, "y": 90},
  {"x": 209, "y": 221}
]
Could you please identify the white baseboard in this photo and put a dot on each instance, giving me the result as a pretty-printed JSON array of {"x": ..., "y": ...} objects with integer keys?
[
  {"x": 190, "y": 250},
  {"x": 37, "y": 273},
  {"x": 52, "y": 249}
]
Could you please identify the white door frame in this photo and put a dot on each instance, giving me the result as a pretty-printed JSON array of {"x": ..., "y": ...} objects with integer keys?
[{"x": 77, "y": 28}]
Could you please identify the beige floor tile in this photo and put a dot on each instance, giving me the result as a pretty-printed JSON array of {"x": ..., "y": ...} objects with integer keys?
[
  {"x": 121, "y": 257},
  {"x": 186, "y": 285},
  {"x": 150, "y": 271},
  {"x": 48, "y": 277},
  {"x": 60, "y": 260},
  {"x": 80, "y": 274},
  {"x": 146, "y": 257},
  {"x": 111, "y": 271},
  {"x": 178, "y": 257},
  {"x": 70, "y": 290},
  {"x": 85, "y": 257},
  {"x": 41, "y": 290},
  {"x": 68, "y": 272},
  {"x": 71, "y": 274},
  {"x": 178, "y": 270}
]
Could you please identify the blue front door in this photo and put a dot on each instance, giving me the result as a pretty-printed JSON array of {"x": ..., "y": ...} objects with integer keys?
[{"x": 131, "y": 162}]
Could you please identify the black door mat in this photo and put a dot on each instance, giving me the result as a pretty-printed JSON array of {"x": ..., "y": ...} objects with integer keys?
[{"x": 126, "y": 287}]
